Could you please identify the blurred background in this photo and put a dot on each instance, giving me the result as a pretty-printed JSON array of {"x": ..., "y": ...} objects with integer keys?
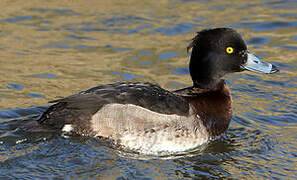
[{"x": 52, "y": 49}]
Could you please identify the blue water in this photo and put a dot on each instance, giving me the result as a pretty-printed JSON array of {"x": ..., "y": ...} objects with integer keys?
[{"x": 55, "y": 50}]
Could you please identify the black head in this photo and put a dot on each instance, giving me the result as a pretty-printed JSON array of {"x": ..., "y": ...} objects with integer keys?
[{"x": 219, "y": 51}]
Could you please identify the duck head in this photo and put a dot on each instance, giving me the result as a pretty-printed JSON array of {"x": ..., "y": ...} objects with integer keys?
[{"x": 217, "y": 52}]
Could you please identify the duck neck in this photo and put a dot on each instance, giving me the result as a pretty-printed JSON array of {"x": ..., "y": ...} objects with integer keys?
[
  {"x": 210, "y": 84},
  {"x": 205, "y": 73}
]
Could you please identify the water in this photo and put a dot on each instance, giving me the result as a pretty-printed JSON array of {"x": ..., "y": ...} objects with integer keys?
[{"x": 51, "y": 49}]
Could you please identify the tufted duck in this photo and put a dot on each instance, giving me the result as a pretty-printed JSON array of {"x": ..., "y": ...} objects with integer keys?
[{"x": 147, "y": 119}]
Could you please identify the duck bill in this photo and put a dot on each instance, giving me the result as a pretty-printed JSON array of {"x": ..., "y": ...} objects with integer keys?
[{"x": 256, "y": 65}]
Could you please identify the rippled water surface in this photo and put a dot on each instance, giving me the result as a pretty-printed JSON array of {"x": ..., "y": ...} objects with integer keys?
[{"x": 51, "y": 49}]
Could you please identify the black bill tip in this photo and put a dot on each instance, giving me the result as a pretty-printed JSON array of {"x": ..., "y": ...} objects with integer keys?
[{"x": 273, "y": 69}]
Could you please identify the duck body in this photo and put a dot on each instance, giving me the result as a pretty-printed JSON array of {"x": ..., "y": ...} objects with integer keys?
[
  {"x": 144, "y": 117},
  {"x": 148, "y": 119}
]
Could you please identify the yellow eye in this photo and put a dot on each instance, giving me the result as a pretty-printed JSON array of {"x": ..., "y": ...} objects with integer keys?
[{"x": 229, "y": 50}]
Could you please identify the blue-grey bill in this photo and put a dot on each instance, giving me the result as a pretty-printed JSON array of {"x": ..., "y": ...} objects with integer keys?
[{"x": 255, "y": 64}]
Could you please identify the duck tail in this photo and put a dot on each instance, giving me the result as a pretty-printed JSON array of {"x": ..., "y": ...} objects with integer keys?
[{"x": 34, "y": 126}]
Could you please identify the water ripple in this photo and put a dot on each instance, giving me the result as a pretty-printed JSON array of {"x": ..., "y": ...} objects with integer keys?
[{"x": 265, "y": 26}]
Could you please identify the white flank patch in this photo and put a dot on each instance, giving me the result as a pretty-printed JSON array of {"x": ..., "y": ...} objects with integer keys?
[
  {"x": 149, "y": 132},
  {"x": 67, "y": 128}
]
